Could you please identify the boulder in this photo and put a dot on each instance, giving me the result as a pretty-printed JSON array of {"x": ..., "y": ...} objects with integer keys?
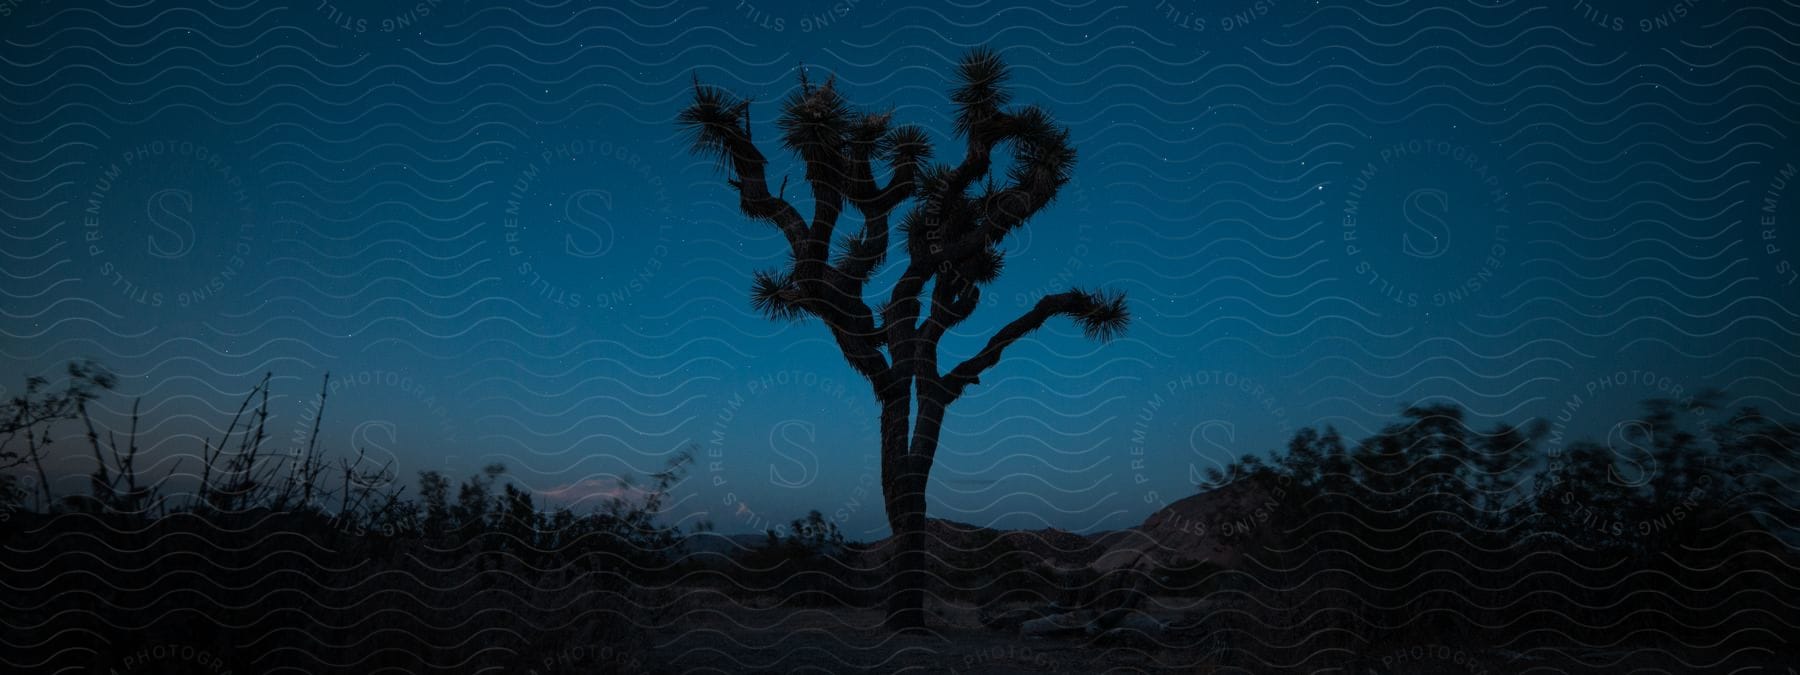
[
  {"x": 1125, "y": 637},
  {"x": 1142, "y": 623},
  {"x": 1191, "y": 530},
  {"x": 1067, "y": 624},
  {"x": 1010, "y": 620},
  {"x": 1124, "y": 626}
]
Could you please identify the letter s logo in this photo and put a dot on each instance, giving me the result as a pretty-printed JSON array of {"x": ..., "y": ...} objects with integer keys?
[
  {"x": 1211, "y": 440},
  {"x": 1426, "y": 210},
  {"x": 1632, "y": 441},
  {"x": 378, "y": 438},
  {"x": 586, "y": 212},
  {"x": 792, "y": 440},
  {"x": 169, "y": 211}
]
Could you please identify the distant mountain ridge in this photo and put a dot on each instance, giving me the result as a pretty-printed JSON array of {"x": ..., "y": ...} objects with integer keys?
[{"x": 1212, "y": 526}]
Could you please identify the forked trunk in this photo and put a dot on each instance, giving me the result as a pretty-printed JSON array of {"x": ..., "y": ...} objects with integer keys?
[
  {"x": 908, "y": 575},
  {"x": 904, "y": 586},
  {"x": 906, "y": 465}
]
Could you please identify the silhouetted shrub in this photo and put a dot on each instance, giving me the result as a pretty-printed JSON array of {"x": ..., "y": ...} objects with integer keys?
[
  {"x": 271, "y": 562},
  {"x": 1430, "y": 532}
]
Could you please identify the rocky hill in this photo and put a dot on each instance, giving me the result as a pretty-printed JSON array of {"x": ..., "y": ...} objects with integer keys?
[{"x": 1211, "y": 527}]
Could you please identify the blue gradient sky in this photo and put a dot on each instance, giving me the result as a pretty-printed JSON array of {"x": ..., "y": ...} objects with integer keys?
[{"x": 482, "y": 221}]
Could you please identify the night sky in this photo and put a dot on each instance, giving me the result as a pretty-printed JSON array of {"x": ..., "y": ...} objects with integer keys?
[{"x": 484, "y": 223}]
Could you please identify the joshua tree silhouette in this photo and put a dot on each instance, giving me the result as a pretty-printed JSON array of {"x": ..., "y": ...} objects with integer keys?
[{"x": 952, "y": 238}]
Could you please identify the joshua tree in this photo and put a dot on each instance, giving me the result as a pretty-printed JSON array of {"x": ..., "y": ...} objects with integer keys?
[{"x": 952, "y": 237}]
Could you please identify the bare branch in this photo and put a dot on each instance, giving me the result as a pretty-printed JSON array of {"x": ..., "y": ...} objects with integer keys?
[
  {"x": 1102, "y": 316},
  {"x": 864, "y": 357},
  {"x": 953, "y": 299}
]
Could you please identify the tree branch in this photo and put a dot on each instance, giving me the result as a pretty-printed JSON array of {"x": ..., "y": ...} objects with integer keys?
[
  {"x": 1102, "y": 316},
  {"x": 865, "y": 358},
  {"x": 720, "y": 124},
  {"x": 953, "y": 299}
]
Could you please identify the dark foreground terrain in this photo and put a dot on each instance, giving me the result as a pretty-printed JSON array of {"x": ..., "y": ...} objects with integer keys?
[{"x": 1430, "y": 547}]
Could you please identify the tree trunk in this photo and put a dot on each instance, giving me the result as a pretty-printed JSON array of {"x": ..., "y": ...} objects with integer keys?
[
  {"x": 908, "y": 575},
  {"x": 904, "y": 479},
  {"x": 904, "y": 586}
]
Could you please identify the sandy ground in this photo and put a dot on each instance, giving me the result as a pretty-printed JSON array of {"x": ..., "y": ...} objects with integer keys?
[{"x": 729, "y": 638}]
